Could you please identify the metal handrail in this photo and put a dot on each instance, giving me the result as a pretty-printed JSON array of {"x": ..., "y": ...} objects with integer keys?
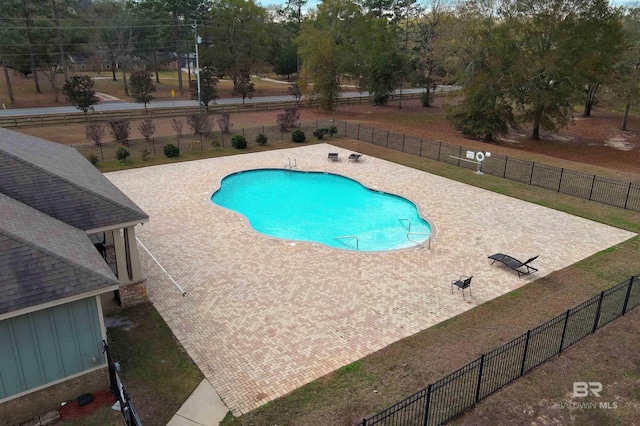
[
  {"x": 291, "y": 166},
  {"x": 408, "y": 220},
  {"x": 350, "y": 236},
  {"x": 418, "y": 243}
]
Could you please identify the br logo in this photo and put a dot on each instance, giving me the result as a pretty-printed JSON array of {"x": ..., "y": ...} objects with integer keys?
[{"x": 582, "y": 389}]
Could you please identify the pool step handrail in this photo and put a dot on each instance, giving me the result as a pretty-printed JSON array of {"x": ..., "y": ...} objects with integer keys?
[
  {"x": 290, "y": 165},
  {"x": 419, "y": 243},
  {"x": 351, "y": 237},
  {"x": 408, "y": 220}
]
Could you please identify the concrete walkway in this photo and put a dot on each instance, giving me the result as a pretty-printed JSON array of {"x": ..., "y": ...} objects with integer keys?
[
  {"x": 203, "y": 408},
  {"x": 264, "y": 316}
]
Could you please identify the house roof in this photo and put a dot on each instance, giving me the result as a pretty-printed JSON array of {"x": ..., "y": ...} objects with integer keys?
[
  {"x": 43, "y": 259},
  {"x": 60, "y": 182}
]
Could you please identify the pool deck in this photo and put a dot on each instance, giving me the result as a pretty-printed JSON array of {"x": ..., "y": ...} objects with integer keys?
[{"x": 263, "y": 316}]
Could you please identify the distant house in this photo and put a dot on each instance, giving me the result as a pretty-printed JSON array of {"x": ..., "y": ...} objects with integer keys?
[
  {"x": 67, "y": 242},
  {"x": 80, "y": 62}
]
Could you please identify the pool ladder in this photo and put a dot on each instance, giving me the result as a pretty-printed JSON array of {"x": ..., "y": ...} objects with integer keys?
[
  {"x": 405, "y": 219},
  {"x": 350, "y": 237},
  {"x": 428, "y": 246},
  {"x": 291, "y": 165}
]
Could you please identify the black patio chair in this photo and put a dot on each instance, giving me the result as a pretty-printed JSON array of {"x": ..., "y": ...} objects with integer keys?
[
  {"x": 522, "y": 268},
  {"x": 462, "y": 284}
]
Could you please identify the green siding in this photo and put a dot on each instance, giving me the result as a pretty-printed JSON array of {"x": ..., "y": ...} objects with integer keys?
[{"x": 48, "y": 345}]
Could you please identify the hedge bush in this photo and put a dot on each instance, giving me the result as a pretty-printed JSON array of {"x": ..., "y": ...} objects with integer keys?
[
  {"x": 298, "y": 136},
  {"x": 262, "y": 139},
  {"x": 170, "y": 150},
  {"x": 238, "y": 142}
]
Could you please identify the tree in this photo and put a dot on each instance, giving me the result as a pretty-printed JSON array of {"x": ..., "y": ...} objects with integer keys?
[
  {"x": 627, "y": 70},
  {"x": 208, "y": 86},
  {"x": 243, "y": 86},
  {"x": 142, "y": 86},
  {"x": 79, "y": 91},
  {"x": 325, "y": 48},
  {"x": 242, "y": 40}
]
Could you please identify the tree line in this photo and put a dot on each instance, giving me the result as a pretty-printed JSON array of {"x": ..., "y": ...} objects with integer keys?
[{"x": 519, "y": 61}]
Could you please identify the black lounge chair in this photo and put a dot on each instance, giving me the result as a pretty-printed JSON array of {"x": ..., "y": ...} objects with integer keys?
[
  {"x": 462, "y": 284},
  {"x": 333, "y": 156},
  {"x": 522, "y": 268},
  {"x": 355, "y": 157}
]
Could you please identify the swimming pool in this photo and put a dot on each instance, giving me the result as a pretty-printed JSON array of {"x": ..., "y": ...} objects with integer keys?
[{"x": 324, "y": 208}]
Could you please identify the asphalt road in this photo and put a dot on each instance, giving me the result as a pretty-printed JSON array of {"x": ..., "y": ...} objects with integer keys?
[{"x": 123, "y": 106}]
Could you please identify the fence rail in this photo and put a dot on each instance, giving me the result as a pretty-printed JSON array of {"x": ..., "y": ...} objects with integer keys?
[
  {"x": 460, "y": 390},
  {"x": 127, "y": 409},
  {"x": 166, "y": 112}
]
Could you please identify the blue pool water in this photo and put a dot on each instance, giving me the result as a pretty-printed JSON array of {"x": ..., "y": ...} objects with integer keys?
[{"x": 313, "y": 206}]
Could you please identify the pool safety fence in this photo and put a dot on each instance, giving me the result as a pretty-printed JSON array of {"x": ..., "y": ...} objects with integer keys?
[
  {"x": 460, "y": 390},
  {"x": 118, "y": 389},
  {"x": 611, "y": 192}
]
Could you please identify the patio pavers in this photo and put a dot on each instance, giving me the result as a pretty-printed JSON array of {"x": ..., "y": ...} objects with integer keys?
[{"x": 263, "y": 316}]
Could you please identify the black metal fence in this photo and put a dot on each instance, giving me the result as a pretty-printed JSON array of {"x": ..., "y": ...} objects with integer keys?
[
  {"x": 193, "y": 143},
  {"x": 612, "y": 192},
  {"x": 451, "y": 395},
  {"x": 129, "y": 413},
  {"x": 590, "y": 187}
]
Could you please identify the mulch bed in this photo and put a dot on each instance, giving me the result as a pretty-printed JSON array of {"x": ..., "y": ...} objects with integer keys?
[{"x": 74, "y": 411}]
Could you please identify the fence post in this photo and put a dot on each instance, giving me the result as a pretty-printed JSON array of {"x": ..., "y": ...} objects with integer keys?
[
  {"x": 101, "y": 152},
  {"x": 459, "y": 154},
  {"x": 358, "y": 132},
  {"x": 200, "y": 141},
  {"x": 561, "y": 174},
  {"x": 345, "y": 129},
  {"x": 564, "y": 330},
  {"x": 593, "y": 182},
  {"x": 504, "y": 172},
  {"x": 387, "y": 139},
  {"x": 222, "y": 138},
  {"x": 364, "y": 422},
  {"x": 626, "y": 299},
  {"x": 524, "y": 355},
  {"x": 403, "y": 137},
  {"x": 373, "y": 131},
  {"x": 420, "y": 147},
  {"x": 628, "y": 192},
  {"x": 426, "y": 406},
  {"x": 153, "y": 143},
  {"x": 439, "y": 149},
  {"x": 479, "y": 379},
  {"x": 533, "y": 167},
  {"x": 597, "y": 320}
]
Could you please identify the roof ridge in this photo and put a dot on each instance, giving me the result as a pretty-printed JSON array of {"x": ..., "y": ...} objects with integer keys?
[
  {"x": 48, "y": 252},
  {"x": 20, "y": 159}
]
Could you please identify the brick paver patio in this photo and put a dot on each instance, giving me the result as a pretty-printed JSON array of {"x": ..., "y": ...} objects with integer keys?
[{"x": 264, "y": 316}]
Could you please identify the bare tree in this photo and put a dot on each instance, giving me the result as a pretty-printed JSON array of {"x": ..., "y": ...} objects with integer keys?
[
  {"x": 95, "y": 132},
  {"x": 147, "y": 128},
  {"x": 177, "y": 125}
]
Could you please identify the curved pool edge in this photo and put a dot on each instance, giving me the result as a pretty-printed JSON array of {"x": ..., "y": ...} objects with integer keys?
[{"x": 247, "y": 222}]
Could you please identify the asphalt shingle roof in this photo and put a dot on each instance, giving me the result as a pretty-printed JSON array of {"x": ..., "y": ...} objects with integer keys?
[
  {"x": 43, "y": 259},
  {"x": 60, "y": 182}
]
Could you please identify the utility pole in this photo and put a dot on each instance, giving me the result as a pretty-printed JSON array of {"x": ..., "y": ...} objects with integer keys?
[{"x": 198, "y": 41}]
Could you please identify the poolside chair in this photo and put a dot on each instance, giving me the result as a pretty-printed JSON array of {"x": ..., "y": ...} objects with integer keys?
[
  {"x": 522, "y": 268},
  {"x": 462, "y": 284},
  {"x": 333, "y": 156},
  {"x": 355, "y": 157}
]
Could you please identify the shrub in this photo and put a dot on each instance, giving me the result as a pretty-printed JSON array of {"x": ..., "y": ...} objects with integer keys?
[
  {"x": 319, "y": 133},
  {"x": 93, "y": 159},
  {"x": 170, "y": 150},
  {"x": 287, "y": 118},
  {"x": 298, "y": 136},
  {"x": 333, "y": 130},
  {"x": 95, "y": 132},
  {"x": 147, "y": 128},
  {"x": 224, "y": 121},
  {"x": 194, "y": 146},
  {"x": 262, "y": 139},
  {"x": 200, "y": 124},
  {"x": 120, "y": 129},
  {"x": 425, "y": 98},
  {"x": 215, "y": 143},
  {"x": 145, "y": 154},
  {"x": 239, "y": 142},
  {"x": 122, "y": 154}
]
